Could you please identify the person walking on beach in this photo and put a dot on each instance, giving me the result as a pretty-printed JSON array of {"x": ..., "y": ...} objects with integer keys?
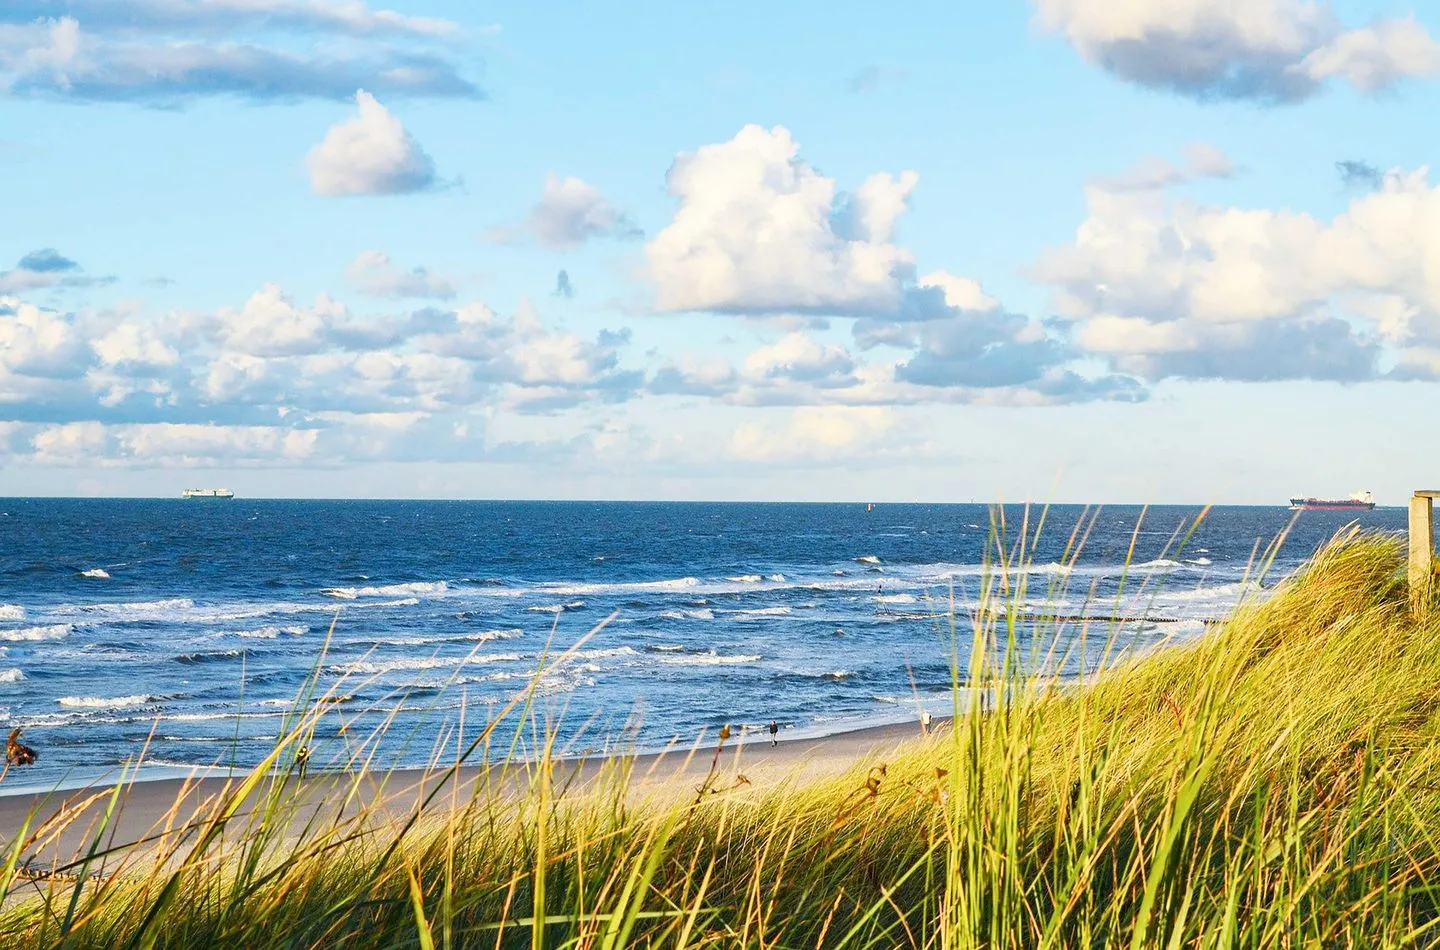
[
  {"x": 925, "y": 721},
  {"x": 774, "y": 731}
]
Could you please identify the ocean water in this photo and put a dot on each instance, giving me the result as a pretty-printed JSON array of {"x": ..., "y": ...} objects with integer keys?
[{"x": 193, "y": 624}]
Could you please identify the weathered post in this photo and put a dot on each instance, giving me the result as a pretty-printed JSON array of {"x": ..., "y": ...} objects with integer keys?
[{"x": 1422, "y": 546}]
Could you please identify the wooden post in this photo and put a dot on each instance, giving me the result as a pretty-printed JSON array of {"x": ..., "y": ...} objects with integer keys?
[{"x": 1422, "y": 546}]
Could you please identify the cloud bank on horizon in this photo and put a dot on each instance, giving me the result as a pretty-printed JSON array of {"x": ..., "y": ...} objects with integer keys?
[{"x": 735, "y": 280}]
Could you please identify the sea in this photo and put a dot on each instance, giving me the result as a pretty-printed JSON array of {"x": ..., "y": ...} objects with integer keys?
[{"x": 186, "y": 629}]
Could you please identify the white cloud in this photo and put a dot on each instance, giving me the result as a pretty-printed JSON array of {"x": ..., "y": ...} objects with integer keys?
[
  {"x": 371, "y": 154},
  {"x": 168, "y": 52},
  {"x": 269, "y": 324},
  {"x": 571, "y": 212},
  {"x": 373, "y": 273},
  {"x": 758, "y": 230},
  {"x": 1267, "y": 50},
  {"x": 42, "y": 343},
  {"x": 1174, "y": 288}
]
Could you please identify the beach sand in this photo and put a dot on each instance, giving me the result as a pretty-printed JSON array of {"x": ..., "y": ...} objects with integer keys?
[{"x": 151, "y": 813}]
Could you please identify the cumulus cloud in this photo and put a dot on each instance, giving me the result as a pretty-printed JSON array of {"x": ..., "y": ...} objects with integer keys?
[
  {"x": 236, "y": 385},
  {"x": 1172, "y": 288},
  {"x": 168, "y": 52},
  {"x": 1154, "y": 172},
  {"x": 373, "y": 273},
  {"x": 370, "y": 154},
  {"x": 1263, "y": 50},
  {"x": 758, "y": 230},
  {"x": 572, "y": 211}
]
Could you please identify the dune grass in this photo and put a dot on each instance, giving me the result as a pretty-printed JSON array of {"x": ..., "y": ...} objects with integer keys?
[{"x": 1275, "y": 783}]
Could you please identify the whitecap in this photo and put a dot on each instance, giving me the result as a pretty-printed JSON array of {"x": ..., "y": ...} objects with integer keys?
[
  {"x": 12, "y": 675},
  {"x": 556, "y": 608},
  {"x": 1202, "y": 561},
  {"x": 100, "y": 702},
  {"x": 54, "y": 631},
  {"x": 702, "y": 614},
  {"x": 868, "y": 559},
  {"x": 421, "y": 588},
  {"x": 571, "y": 590},
  {"x": 270, "y": 633},
  {"x": 763, "y": 612},
  {"x": 99, "y": 573},
  {"x": 746, "y": 579},
  {"x": 709, "y": 659},
  {"x": 12, "y": 612},
  {"x": 376, "y": 667},
  {"x": 896, "y": 598}
]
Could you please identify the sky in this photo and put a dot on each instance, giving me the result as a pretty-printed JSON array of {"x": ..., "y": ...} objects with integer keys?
[{"x": 1038, "y": 250}]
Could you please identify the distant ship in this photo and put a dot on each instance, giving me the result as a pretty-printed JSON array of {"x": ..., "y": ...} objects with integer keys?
[
  {"x": 207, "y": 493},
  {"x": 1360, "y": 501}
]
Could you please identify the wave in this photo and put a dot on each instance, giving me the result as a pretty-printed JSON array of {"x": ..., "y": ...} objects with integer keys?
[
  {"x": 270, "y": 633},
  {"x": 378, "y": 667},
  {"x": 100, "y": 702},
  {"x": 12, "y": 675},
  {"x": 556, "y": 608},
  {"x": 1160, "y": 562},
  {"x": 1202, "y": 561},
  {"x": 12, "y": 612},
  {"x": 572, "y": 590},
  {"x": 709, "y": 659},
  {"x": 746, "y": 579},
  {"x": 868, "y": 559},
  {"x": 484, "y": 636},
  {"x": 54, "y": 631},
  {"x": 601, "y": 653},
  {"x": 208, "y": 657},
  {"x": 666, "y": 648},
  {"x": 895, "y": 599},
  {"x": 701, "y": 614},
  {"x": 762, "y": 612},
  {"x": 99, "y": 573},
  {"x": 388, "y": 590},
  {"x": 132, "y": 610}
]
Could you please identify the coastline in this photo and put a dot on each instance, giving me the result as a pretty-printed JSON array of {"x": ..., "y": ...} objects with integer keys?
[{"x": 151, "y": 812}]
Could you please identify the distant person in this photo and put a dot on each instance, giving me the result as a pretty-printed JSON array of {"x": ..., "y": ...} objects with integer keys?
[
  {"x": 925, "y": 721},
  {"x": 774, "y": 732}
]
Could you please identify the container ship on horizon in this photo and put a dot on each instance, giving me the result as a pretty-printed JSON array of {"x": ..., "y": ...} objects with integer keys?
[
  {"x": 1360, "y": 501},
  {"x": 207, "y": 493}
]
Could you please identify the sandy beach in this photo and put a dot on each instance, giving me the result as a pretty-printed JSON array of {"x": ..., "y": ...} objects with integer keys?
[{"x": 151, "y": 813}]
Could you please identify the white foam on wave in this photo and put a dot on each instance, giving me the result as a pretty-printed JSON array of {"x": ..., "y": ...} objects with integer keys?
[
  {"x": 171, "y": 608},
  {"x": 417, "y": 588},
  {"x": 868, "y": 559},
  {"x": 484, "y": 636},
  {"x": 763, "y": 612},
  {"x": 12, "y": 612},
  {"x": 12, "y": 675},
  {"x": 701, "y": 614},
  {"x": 709, "y": 659},
  {"x": 101, "y": 702},
  {"x": 1202, "y": 561},
  {"x": 895, "y": 599},
  {"x": 1159, "y": 562},
  {"x": 270, "y": 633},
  {"x": 600, "y": 653},
  {"x": 556, "y": 608},
  {"x": 378, "y": 667},
  {"x": 99, "y": 573},
  {"x": 574, "y": 590},
  {"x": 54, "y": 631},
  {"x": 745, "y": 579}
]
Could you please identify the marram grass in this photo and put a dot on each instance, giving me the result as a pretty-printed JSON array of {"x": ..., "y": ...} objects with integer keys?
[{"x": 1273, "y": 784}]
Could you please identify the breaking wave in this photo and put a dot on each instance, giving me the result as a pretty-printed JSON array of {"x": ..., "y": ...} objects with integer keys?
[
  {"x": 54, "y": 631},
  {"x": 12, "y": 675},
  {"x": 420, "y": 588},
  {"x": 99, "y": 573},
  {"x": 100, "y": 702},
  {"x": 12, "y": 612}
]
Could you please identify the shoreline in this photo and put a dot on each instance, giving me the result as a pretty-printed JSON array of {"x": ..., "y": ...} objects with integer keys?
[{"x": 152, "y": 811}]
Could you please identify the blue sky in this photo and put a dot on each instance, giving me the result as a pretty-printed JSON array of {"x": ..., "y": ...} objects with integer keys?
[{"x": 1051, "y": 250}]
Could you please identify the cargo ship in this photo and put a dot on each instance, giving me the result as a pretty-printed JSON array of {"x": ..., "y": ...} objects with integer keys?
[
  {"x": 1360, "y": 501},
  {"x": 207, "y": 493}
]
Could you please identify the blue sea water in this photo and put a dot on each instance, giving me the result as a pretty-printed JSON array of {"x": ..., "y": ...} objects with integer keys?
[{"x": 193, "y": 624}]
